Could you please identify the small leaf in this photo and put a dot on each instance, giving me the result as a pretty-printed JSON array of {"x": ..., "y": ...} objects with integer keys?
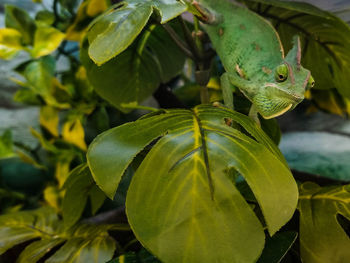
[
  {"x": 52, "y": 197},
  {"x": 46, "y": 40},
  {"x": 39, "y": 75},
  {"x": 49, "y": 119},
  {"x": 45, "y": 18},
  {"x": 116, "y": 29},
  {"x": 322, "y": 239},
  {"x": 184, "y": 174},
  {"x": 73, "y": 132},
  {"x": 85, "y": 14},
  {"x": 19, "y": 19},
  {"x": 6, "y": 145},
  {"x": 10, "y": 43}
]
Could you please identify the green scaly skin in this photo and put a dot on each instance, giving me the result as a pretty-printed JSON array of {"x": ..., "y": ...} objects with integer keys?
[{"x": 253, "y": 57}]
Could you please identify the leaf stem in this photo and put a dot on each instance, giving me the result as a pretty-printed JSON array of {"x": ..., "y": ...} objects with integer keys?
[
  {"x": 189, "y": 39},
  {"x": 178, "y": 41},
  {"x": 55, "y": 11},
  {"x": 198, "y": 42}
]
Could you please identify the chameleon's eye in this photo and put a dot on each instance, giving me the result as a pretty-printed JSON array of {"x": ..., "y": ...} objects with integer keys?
[
  {"x": 281, "y": 73},
  {"x": 310, "y": 83}
]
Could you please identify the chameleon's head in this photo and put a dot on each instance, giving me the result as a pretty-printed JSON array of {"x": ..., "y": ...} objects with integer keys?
[{"x": 286, "y": 85}]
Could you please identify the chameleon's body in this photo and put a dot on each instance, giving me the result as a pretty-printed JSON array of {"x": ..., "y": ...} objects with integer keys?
[{"x": 253, "y": 57}]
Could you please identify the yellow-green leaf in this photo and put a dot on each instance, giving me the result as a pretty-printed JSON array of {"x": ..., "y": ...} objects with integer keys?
[
  {"x": 182, "y": 204},
  {"x": 115, "y": 30},
  {"x": 322, "y": 238},
  {"x": 95, "y": 7},
  {"x": 46, "y": 41},
  {"x": 6, "y": 145},
  {"x": 81, "y": 243},
  {"x": 10, "y": 43},
  {"x": 19, "y": 19},
  {"x": 73, "y": 132},
  {"x": 49, "y": 119}
]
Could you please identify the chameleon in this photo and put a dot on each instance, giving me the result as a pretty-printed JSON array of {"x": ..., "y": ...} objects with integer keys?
[{"x": 253, "y": 57}]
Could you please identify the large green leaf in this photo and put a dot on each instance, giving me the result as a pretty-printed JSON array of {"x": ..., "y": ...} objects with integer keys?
[
  {"x": 325, "y": 40},
  {"x": 19, "y": 19},
  {"x": 112, "y": 32},
  {"x": 137, "y": 72},
  {"x": 83, "y": 243},
  {"x": 182, "y": 204},
  {"x": 322, "y": 239}
]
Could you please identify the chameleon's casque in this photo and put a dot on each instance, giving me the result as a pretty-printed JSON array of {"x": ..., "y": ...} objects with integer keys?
[{"x": 252, "y": 54}]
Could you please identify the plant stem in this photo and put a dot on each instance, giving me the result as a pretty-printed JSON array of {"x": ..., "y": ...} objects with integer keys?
[
  {"x": 205, "y": 99},
  {"x": 55, "y": 11},
  {"x": 178, "y": 41},
  {"x": 198, "y": 42},
  {"x": 189, "y": 39}
]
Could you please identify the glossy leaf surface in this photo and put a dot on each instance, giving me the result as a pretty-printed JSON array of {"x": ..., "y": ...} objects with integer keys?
[
  {"x": 117, "y": 28},
  {"x": 136, "y": 73},
  {"x": 83, "y": 243},
  {"x": 322, "y": 238},
  {"x": 186, "y": 176}
]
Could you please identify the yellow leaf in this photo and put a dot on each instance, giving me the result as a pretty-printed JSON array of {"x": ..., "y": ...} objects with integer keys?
[
  {"x": 52, "y": 197},
  {"x": 96, "y": 7},
  {"x": 62, "y": 172},
  {"x": 46, "y": 40},
  {"x": 49, "y": 119},
  {"x": 73, "y": 132},
  {"x": 86, "y": 12},
  {"x": 10, "y": 43}
]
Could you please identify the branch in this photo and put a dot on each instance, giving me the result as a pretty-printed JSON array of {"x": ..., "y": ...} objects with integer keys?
[
  {"x": 110, "y": 217},
  {"x": 178, "y": 41}
]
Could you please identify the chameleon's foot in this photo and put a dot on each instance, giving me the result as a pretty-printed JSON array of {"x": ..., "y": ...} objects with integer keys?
[
  {"x": 253, "y": 113},
  {"x": 217, "y": 104},
  {"x": 206, "y": 17}
]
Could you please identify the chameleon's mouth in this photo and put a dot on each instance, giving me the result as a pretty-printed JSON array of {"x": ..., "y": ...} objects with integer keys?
[
  {"x": 278, "y": 113},
  {"x": 275, "y": 102}
]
